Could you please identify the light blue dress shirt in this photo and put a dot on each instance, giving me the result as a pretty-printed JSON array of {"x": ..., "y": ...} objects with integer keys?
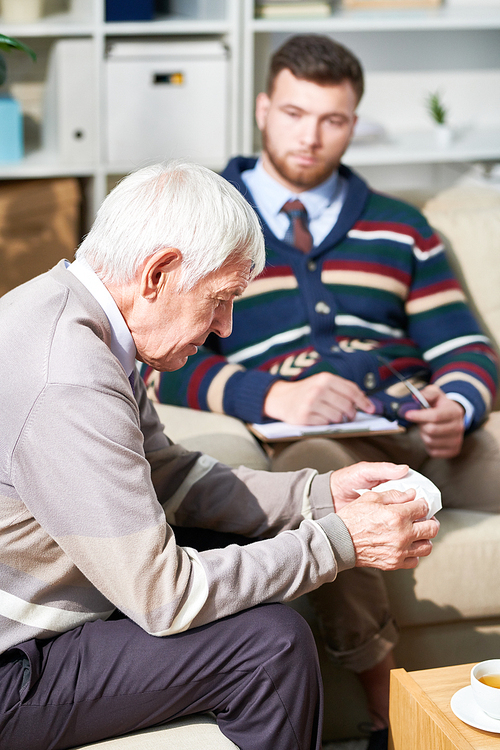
[{"x": 322, "y": 203}]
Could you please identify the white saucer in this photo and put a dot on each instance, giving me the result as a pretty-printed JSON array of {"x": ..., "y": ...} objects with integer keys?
[{"x": 463, "y": 705}]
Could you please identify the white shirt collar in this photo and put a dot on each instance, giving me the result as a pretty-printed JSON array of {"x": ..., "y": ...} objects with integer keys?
[{"x": 122, "y": 343}]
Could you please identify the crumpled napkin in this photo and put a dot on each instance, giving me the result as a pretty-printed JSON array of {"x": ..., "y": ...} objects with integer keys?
[{"x": 413, "y": 480}]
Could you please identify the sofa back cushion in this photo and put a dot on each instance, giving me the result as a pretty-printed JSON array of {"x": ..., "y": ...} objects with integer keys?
[{"x": 468, "y": 218}]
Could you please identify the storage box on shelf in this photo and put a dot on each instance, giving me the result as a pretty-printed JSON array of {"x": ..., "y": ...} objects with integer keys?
[{"x": 176, "y": 92}]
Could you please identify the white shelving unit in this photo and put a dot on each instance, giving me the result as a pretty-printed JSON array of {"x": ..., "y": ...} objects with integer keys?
[
  {"x": 220, "y": 21},
  {"x": 405, "y": 54},
  {"x": 453, "y": 48}
]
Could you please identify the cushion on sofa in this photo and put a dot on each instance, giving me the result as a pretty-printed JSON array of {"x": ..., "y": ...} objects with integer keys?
[
  {"x": 458, "y": 581},
  {"x": 469, "y": 218},
  {"x": 197, "y": 732},
  {"x": 225, "y": 438}
]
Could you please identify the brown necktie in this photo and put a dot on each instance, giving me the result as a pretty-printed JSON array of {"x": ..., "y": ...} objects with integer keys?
[{"x": 298, "y": 233}]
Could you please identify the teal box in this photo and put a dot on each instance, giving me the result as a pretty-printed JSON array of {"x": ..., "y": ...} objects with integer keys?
[{"x": 11, "y": 130}]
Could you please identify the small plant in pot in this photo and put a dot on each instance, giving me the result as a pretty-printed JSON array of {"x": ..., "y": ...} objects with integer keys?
[
  {"x": 439, "y": 115},
  {"x": 7, "y": 44}
]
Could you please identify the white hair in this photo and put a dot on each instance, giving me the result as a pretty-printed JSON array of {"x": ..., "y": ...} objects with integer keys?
[{"x": 176, "y": 204}]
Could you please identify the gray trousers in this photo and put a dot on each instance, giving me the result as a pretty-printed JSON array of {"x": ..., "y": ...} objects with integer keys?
[{"x": 256, "y": 670}]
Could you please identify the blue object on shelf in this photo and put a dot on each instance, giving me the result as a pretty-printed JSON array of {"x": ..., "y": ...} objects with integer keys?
[
  {"x": 11, "y": 129},
  {"x": 130, "y": 10}
]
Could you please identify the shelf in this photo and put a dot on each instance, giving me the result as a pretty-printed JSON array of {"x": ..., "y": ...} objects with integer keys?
[
  {"x": 50, "y": 26},
  {"x": 125, "y": 167},
  {"x": 418, "y": 147},
  {"x": 39, "y": 164},
  {"x": 472, "y": 18},
  {"x": 165, "y": 26},
  {"x": 170, "y": 26}
]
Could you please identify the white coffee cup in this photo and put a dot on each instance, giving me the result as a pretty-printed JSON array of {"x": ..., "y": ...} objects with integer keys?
[{"x": 487, "y": 697}]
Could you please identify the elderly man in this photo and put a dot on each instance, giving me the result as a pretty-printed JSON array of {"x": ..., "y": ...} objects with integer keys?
[
  {"x": 356, "y": 287},
  {"x": 107, "y": 625}
]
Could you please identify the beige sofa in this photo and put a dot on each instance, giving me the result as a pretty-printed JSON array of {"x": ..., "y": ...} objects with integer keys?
[{"x": 448, "y": 609}]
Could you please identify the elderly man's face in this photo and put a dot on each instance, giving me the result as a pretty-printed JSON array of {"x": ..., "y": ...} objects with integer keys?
[
  {"x": 305, "y": 129},
  {"x": 178, "y": 322}
]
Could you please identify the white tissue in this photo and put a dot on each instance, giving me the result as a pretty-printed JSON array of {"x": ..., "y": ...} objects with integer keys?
[{"x": 413, "y": 481}]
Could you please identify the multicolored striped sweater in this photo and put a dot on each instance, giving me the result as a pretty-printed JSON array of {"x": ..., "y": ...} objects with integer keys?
[{"x": 379, "y": 285}]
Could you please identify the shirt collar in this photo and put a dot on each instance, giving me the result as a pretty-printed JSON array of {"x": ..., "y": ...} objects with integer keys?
[
  {"x": 122, "y": 343},
  {"x": 269, "y": 192}
]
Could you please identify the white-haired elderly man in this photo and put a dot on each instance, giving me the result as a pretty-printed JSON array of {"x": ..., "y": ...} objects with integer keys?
[{"x": 106, "y": 624}]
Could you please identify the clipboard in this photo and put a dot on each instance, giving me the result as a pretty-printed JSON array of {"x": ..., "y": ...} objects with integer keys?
[{"x": 362, "y": 426}]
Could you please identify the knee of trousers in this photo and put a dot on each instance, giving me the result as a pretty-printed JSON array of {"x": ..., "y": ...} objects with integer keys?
[{"x": 283, "y": 632}]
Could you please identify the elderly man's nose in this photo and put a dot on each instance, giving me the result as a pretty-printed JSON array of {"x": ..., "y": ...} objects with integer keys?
[{"x": 223, "y": 323}]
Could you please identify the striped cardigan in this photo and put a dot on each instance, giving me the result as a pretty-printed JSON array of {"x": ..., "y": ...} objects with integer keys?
[{"x": 378, "y": 284}]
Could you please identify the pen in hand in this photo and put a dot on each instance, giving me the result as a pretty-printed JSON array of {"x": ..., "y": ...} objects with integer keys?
[{"x": 414, "y": 391}]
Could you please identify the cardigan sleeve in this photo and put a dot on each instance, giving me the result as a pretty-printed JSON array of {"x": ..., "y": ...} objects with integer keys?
[
  {"x": 460, "y": 356},
  {"x": 211, "y": 383}
]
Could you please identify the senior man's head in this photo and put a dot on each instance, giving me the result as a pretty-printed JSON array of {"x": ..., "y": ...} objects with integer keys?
[{"x": 174, "y": 244}]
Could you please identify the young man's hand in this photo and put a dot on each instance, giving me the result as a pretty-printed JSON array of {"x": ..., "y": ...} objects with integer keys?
[
  {"x": 322, "y": 398},
  {"x": 442, "y": 426}
]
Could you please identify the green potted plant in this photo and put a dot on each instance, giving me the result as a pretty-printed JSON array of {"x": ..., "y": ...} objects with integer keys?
[
  {"x": 439, "y": 115},
  {"x": 7, "y": 44}
]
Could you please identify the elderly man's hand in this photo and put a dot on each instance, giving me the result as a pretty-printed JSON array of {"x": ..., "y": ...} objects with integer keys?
[
  {"x": 442, "y": 426},
  {"x": 323, "y": 398},
  {"x": 388, "y": 529},
  {"x": 361, "y": 476}
]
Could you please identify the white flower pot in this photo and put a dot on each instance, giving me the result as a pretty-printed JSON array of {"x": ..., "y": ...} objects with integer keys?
[
  {"x": 21, "y": 11},
  {"x": 443, "y": 135}
]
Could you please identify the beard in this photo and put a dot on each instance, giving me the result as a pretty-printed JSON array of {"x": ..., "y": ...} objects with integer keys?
[{"x": 303, "y": 178}]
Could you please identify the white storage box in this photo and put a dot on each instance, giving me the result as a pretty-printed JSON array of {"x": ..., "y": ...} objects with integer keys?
[
  {"x": 70, "y": 121},
  {"x": 167, "y": 100}
]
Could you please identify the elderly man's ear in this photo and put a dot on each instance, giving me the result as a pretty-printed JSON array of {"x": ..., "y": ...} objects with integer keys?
[{"x": 160, "y": 270}]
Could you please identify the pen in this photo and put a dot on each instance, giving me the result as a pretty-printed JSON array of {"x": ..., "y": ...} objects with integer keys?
[{"x": 414, "y": 391}]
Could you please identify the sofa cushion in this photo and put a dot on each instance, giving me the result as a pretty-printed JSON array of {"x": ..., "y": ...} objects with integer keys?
[
  {"x": 222, "y": 437},
  {"x": 197, "y": 732},
  {"x": 469, "y": 218},
  {"x": 458, "y": 581}
]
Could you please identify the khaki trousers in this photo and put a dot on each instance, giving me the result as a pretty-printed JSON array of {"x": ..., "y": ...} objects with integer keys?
[{"x": 354, "y": 611}]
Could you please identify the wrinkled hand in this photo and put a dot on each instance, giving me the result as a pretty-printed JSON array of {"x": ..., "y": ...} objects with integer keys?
[
  {"x": 441, "y": 426},
  {"x": 322, "y": 398},
  {"x": 360, "y": 476},
  {"x": 387, "y": 529}
]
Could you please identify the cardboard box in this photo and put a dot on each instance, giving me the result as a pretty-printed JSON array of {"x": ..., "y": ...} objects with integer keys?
[{"x": 39, "y": 225}]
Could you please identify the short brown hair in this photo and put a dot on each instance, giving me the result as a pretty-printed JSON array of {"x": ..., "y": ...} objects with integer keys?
[{"x": 316, "y": 58}]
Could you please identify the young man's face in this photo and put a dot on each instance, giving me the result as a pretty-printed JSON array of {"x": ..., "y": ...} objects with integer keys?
[{"x": 305, "y": 128}]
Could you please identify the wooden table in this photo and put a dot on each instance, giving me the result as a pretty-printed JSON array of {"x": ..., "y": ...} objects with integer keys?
[{"x": 420, "y": 713}]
